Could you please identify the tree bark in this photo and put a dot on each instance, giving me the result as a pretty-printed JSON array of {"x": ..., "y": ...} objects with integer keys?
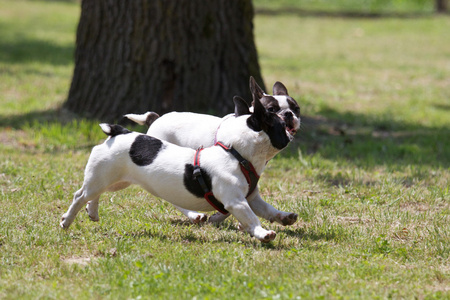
[
  {"x": 441, "y": 6},
  {"x": 162, "y": 55}
]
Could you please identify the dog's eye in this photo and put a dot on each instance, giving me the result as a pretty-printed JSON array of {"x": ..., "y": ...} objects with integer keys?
[{"x": 271, "y": 109}]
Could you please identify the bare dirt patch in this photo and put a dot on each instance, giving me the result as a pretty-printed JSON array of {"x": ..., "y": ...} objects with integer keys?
[
  {"x": 16, "y": 139},
  {"x": 82, "y": 261}
]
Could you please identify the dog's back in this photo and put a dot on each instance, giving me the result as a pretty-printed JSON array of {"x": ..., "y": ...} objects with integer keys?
[{"x": 186, "y": 129}]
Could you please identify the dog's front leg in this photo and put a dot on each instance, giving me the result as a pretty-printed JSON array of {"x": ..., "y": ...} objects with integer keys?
[
  {"x": 248, "y": 220},
  {"x": 194, "y": 217},
  {"x": 268, "y": 212}
]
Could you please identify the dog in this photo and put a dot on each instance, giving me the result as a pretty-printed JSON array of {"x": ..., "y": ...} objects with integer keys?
[
  {"x": 169, "y": 171},
  {"x": 199, "y": 130}
]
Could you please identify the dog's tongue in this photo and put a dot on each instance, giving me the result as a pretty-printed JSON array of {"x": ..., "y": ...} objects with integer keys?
[{"x": 292, "y": 130}]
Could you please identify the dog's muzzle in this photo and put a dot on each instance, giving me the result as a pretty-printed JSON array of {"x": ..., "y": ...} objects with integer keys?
[{"x": 292, "y": 123}]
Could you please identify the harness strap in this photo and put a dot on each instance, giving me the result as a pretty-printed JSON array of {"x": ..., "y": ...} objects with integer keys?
[
  {"x": 208, "y": 194},
  {"x": 246, "y": 167}
]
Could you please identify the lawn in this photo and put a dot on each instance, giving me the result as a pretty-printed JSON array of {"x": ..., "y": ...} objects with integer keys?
[{"x": 368, "y": 174}]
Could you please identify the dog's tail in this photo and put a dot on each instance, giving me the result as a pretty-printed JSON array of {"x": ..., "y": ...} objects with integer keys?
[
  {"x": 113, "y": 130},
  {"x": 145, "y": 119}
]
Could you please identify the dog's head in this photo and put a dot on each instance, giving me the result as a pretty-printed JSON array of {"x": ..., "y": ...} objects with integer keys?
[
  {"x": 264, "y": 120},
  {"x": 280, "y": 103},
  {"x": 258, "y": 136}
]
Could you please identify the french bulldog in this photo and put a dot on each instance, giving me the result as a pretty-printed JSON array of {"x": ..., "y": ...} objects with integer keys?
[
  {"x": 199, "y": 130},
  {"x": 168, "y": 171}
]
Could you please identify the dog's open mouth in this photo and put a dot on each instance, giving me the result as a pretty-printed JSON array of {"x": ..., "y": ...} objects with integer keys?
[
  {"x": 291, "y": 130},
  {"x": 290, "y": 133}
]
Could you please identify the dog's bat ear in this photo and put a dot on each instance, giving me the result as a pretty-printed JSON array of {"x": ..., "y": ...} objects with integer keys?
[
  {"x": 240, "y": 106},
  {"x": 279, "y": 89},
  {"x": 255, "y": 89},
  {"x": 259, "y": 111},
  {"x": 256, "y": 120}
]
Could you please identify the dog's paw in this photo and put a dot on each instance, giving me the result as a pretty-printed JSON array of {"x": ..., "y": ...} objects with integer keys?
[
  {"x": 263, "y": 235},
  {"x": 63, "y": 223},
  {"x": 200, "y": 218},
  {"x": 289, "y": 219},
  {"x": 270, "y": 236},
  {"x": 93, "y": 215},
  {"x": 94, "y": 218}
]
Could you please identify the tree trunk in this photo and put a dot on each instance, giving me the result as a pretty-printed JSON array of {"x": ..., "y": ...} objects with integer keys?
[
  {"x": 162, "y": 55},
  {"x": 441, "y": 6}
]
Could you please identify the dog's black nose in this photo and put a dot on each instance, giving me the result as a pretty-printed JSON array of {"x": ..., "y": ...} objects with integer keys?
[{"x": 288, "y": 115}]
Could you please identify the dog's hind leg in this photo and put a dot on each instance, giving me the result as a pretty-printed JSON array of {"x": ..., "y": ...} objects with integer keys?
[
  {"x": 92, "y": 209},
  {"x": 81, "y": 197},
  {"x": 92, "y": 205},
  {"x": 218, "y": 217}
]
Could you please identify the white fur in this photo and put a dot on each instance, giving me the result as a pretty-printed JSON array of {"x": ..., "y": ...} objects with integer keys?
[
  {"x": 105, "y": 128},
  {"x": 110, "y": 168},
  {"x": 282, "y": 102},
  {"x": 186, "y": 129}
]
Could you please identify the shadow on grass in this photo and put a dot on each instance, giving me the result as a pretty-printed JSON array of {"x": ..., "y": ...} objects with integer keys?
[
  {"x": 367, "y": 141},
  {"x": 193, "y": 236},
  {"x": 53, "y": 131},
  {"x": 59, "y": 115},
  {"x": 26, "y": 50},
  {"x": 45, "y": 116}
]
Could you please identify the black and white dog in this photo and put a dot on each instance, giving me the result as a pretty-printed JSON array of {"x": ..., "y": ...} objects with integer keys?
[
  {"x": 168, "y": 171},
  {"x": 199, "y": 130}
]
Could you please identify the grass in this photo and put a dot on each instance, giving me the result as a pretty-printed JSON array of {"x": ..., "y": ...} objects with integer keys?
[
  {"x": 368, "y": 174},
  {"x": 347, "y": 7}
]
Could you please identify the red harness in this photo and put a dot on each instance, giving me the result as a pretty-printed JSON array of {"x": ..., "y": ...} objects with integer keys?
[{"x": 246, "y": 167}]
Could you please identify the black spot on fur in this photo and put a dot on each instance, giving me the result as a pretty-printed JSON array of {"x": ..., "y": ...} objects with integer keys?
[
  {"x": 144, "y": 150},
  {"x": 254, "y": 124},
  {"x": 271, "y": 124},
  {"x": 293, "y": 106},
  {"x": 270, "y": 103},
  {"x": 275, "y": 128},
  {"x": 192, "y": 184},
  {"x": 152, "y": 116}
]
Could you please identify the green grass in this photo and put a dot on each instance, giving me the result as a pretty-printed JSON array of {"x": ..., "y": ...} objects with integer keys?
[
  {"x": 353, "y": 7},
  {"x": 368, "y": 174}
]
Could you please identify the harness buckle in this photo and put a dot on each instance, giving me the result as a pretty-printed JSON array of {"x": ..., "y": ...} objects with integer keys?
[{"x": 197, "y": 172}]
